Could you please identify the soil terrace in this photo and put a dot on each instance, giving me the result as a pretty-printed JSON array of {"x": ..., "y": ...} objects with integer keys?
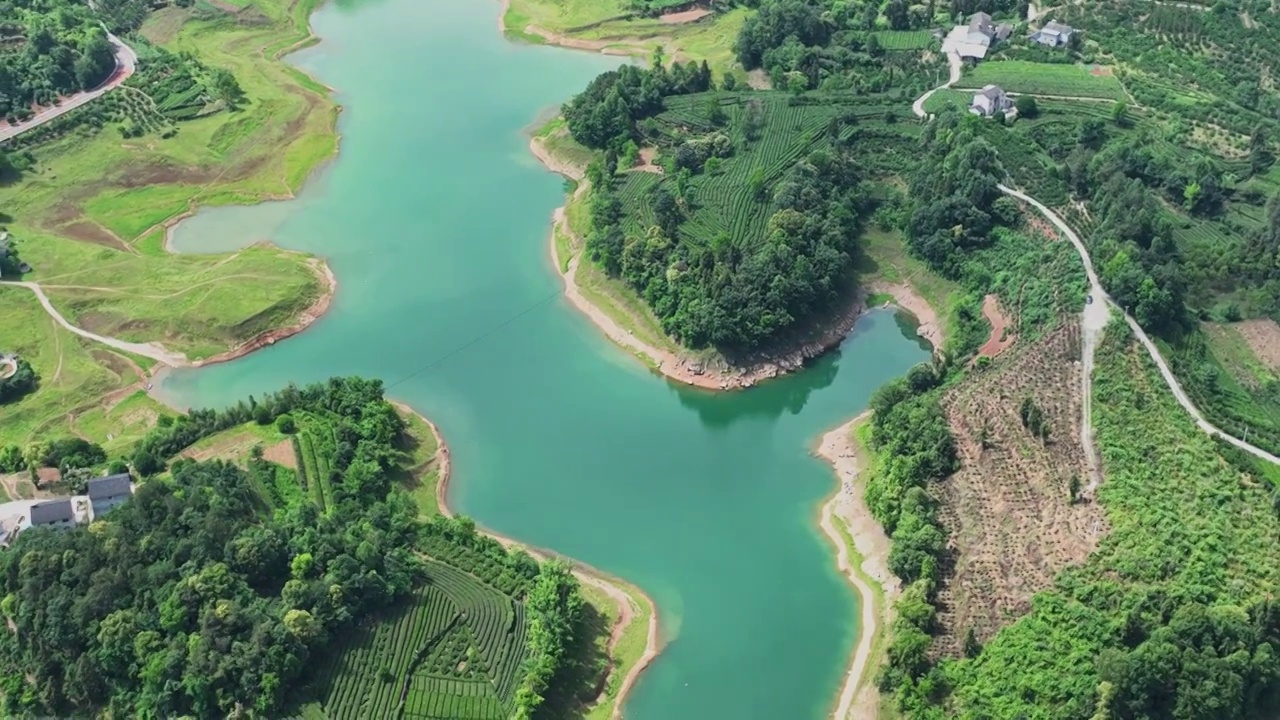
[{"x": 1010, "y": 521}]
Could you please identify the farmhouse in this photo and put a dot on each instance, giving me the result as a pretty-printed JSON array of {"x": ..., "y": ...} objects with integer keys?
[
  {"x": 1053, "y": 34},
  {"x": 105, "y": 493},
  {"x": 991, "y": 100},
  {"x": 56, "y": 513},
  {"x": 972, "y": 41}
]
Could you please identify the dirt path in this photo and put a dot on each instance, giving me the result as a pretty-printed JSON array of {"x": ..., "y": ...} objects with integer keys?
[
  {"x": 154, "y": 351},
  {"x": 687, "y": 16},
  {"x": 858, "y": 697},
  {"x": 126, "y": 63},
  {"x": 627, "y": 610},
  {"x": 1095, "y": 317},
  {"x": 1000, "y": 339}
]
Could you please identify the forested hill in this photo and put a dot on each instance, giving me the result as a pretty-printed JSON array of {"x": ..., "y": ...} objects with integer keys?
[
  {"x": 48, "y": 49},
  {"x": 196, "y": 598}
]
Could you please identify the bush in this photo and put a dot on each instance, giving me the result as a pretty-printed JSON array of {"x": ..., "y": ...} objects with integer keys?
[{"x": 286, "y": 425}]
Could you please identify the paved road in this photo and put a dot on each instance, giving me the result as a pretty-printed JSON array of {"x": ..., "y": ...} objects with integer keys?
[
  {"x": 150, "y": 350},
  {"x": 1101, "y": 298},
  {"x": 126, "y": 62},
  {"x": 956, "y": 65}
]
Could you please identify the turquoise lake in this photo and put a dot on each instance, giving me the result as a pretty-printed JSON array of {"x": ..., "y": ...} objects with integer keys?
[{"x": 435, "y": 219}]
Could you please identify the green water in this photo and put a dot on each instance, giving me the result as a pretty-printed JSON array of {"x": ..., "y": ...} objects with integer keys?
[{"x": 435, "y": 220}]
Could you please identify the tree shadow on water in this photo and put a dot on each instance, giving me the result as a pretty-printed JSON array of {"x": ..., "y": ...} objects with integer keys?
[{"x": 769, "y": 399}]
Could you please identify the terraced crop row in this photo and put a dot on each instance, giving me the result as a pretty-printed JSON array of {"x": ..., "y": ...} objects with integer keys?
[
  {"x": 497, "y": 622},
  {"x": 370, "y": 667}
]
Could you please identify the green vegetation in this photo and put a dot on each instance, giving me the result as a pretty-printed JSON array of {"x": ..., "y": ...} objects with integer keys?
[
  {"x": 90, "y": 206},
  {"x": 905, "y": 39},
  {"x": 417, "y": 618},
  {"x": 1192, "y": 547},
  {"x": 1019, "y": 76}
]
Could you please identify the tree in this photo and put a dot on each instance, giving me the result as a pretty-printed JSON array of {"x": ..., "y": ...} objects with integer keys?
[
  {"x": 96, "y": 62},
  {"x": 1026, "y": 106},
  {"x": 1120, "y": 113}
]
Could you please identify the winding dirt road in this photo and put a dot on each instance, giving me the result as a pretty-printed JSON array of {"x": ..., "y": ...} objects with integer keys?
[
  {"x": 126, "y": 63},
  {"x": 149, "y": 350},
  {"x": 1094, "y": 320}
]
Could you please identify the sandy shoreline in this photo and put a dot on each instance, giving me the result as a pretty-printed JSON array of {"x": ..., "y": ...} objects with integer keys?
[
  {"x": 627, "y": 612},
  {"x": 858, "y": 696}
]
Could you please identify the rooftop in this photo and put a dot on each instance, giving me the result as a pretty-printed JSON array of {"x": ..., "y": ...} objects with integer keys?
[
  {"x": 110, "y": 486},
  {"x": 52, "y": 511}
]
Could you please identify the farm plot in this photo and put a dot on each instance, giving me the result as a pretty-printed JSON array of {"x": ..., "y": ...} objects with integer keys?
[
  {"x": 724, "y": 202},
  {"x": 905, "y": 39},
  {"x": 368, "y": 669},
  {"x": 1013, "y": 512},
  {"x": 1021, "y": 76},
  {"x": 496, "y": 621},
  {"x": 317, "y": 448}
]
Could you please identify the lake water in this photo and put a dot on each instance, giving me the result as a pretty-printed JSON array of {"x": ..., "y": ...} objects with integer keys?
[{"x": 435, "y": 219}]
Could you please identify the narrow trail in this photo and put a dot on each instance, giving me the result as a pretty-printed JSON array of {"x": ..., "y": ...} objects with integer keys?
[
  {"x": 1096, "y": 316},
  {"x": 149, "y": 350}
]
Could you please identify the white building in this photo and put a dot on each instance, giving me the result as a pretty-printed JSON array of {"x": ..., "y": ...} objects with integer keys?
[
  {"x": 1053, "y": 34},
  {"x": 991, "y": 100}
]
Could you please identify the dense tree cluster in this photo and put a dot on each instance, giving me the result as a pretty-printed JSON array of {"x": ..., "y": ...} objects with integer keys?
[
  {"x": 831, "y": 45},
  {"x": 739, "y": 293},
  {"x": 911, "y": 437},
  {"x": 186, "y": 603},
  {"x": 60, "y": 49},
  {"x": 604, "y": 115},
  {"x": 21, "y": 383},
  {"x": 956, "y": 201}
]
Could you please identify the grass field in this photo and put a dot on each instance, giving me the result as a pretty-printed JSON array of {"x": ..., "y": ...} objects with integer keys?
[
  {"x": 1021, "y": 76},
  {"x": 82, "y": 384},
  {"x": 608, "y": 24},
  {"x": 948, "y": 98}
]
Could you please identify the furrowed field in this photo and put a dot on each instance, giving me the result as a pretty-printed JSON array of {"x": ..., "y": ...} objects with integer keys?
[
  {"x": 725, "y": 201},
  {"x": 905, "y": 39},
  {"x": 453, "y": 651},
  {"x": 1020, "y": 76}
]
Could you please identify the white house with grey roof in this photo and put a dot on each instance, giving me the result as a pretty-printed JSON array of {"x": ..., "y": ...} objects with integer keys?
[
  {"x": 105, "y": 493},
  {"x": 991, "y": 100},
  {"x": 1053, "y": 34}
]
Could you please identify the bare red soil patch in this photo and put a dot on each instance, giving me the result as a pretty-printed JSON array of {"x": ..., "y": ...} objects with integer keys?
[
  {"x": 1008, "y": 512},
  {"x": 281, "y": 454},
  {"x": 687, "y": 16},
  {"x": 1000, "y": 338},
  {"x": 1101, "y": 71},
  {"x": 647, "y": 163},
  {"x": 1263, "y": 338}
]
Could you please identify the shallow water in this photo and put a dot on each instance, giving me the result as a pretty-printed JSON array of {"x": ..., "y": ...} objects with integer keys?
[{"x": 435, "y": 220}]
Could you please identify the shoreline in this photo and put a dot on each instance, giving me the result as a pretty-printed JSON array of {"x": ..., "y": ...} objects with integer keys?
[
  {"x": 684, "y": 368},
  {"x": 858, "y": 697},
  {"x": 585, "y": 573}
]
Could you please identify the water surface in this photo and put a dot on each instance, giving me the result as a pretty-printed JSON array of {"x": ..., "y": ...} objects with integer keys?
[{"x": 435, "y": 220}]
